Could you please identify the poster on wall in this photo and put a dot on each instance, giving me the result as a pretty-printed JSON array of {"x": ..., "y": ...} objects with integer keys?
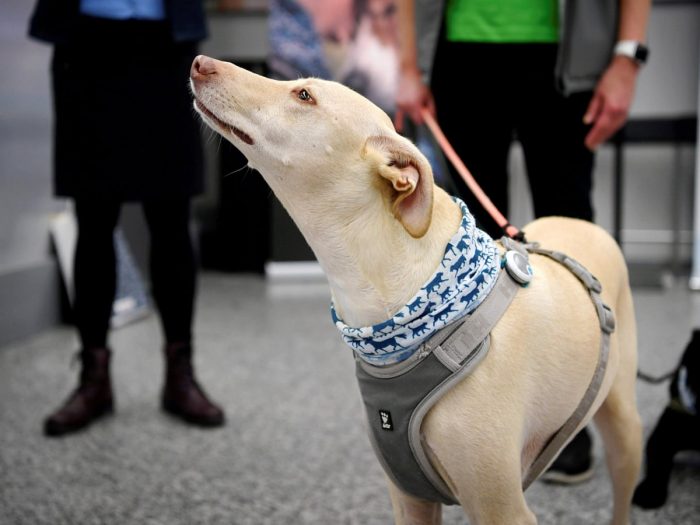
[{"x": 354, "y": 42}]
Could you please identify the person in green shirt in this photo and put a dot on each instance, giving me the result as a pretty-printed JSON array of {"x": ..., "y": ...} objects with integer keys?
[{"x": 556, "y": 75}]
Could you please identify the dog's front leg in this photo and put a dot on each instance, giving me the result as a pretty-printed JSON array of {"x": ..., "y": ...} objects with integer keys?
[{"x": 413, "y": 511}]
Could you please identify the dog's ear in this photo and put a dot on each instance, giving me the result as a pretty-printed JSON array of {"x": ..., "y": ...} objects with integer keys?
[{"x": 399, "y": 162}]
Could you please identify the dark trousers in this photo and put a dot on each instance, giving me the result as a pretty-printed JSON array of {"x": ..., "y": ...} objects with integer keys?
[
  {"x": 172, "y": 266},
  {"x": 487, "y": 95}
]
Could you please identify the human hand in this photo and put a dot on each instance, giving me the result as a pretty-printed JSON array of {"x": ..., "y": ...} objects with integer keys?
[
  {"x": 412, "y": 97},
  {"x": 611, "y": 101}
]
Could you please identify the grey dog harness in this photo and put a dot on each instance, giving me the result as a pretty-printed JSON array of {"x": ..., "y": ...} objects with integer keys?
[{"x": 397, "y": 397}]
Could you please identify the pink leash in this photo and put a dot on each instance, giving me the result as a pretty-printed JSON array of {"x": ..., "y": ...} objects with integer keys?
[{"x": 510, "y": 230}]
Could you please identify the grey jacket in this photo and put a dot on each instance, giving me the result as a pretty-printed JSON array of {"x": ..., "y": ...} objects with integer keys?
[{"x": 588, "y": 32}]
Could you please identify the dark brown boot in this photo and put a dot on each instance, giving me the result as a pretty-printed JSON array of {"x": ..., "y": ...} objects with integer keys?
[
  {"x": 92, "y": 399},
  {"x": 182, "y": 395}
]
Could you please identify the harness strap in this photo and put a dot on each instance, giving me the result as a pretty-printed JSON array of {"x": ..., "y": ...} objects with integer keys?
[
  {"x": 454, "y": 348},
  {"x": 607, "y": 326},
  {"x": 461, "y": 352}
]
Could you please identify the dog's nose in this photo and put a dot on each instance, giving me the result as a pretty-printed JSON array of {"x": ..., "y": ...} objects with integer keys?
[{"x": 202, "y": 67}]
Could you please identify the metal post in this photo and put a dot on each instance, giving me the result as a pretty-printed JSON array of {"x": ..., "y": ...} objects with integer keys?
[
  {"x": 695, "y": 272},
  {"x": 618, "y": 187}
]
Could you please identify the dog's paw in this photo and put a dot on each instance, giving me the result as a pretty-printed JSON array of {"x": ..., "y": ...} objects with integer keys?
[{"x": 650, "y": 495}]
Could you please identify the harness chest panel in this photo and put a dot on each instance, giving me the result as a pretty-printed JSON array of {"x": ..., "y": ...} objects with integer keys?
[
  {"x": 397, "y": 398},
  {"x": 395, "y": 409}
]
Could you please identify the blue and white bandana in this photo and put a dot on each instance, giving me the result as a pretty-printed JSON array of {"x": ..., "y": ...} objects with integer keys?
[{"x": 464, "y": 278}]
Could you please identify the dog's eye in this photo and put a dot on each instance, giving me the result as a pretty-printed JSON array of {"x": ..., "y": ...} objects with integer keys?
[{"x": 305, "y": 96}]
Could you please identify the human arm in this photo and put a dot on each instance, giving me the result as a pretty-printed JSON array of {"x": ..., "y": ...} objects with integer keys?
[
  {"x": 412, "y": 94},
  {"x": 613, "y": 95}
]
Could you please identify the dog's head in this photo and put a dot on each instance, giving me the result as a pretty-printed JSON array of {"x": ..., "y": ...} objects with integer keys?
[{"x": 315, "y": 139}]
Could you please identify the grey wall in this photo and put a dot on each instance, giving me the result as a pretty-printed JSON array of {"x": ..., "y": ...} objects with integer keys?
[
  {"x": 25, "y": 126},
  {"x": 26, "y": 204}
]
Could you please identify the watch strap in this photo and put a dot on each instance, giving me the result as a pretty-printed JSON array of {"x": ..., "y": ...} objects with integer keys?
[{"x": 632, "y": 49}]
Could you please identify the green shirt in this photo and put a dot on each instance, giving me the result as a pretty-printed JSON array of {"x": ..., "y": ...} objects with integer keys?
[{"x": 502, "y": 21}]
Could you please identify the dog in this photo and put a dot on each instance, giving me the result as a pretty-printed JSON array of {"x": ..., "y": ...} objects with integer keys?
[
  {"x": 678, "y": 429},
  {"x": 363, "y": 196}
]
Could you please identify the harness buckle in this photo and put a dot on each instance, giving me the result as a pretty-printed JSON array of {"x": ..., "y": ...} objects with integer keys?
[
  {"x": 594, "y": 284},
  {"x": 605, "y": 316}
]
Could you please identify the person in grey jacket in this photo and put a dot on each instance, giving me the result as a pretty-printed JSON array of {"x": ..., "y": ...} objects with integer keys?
[{"x": 557, "y": 75}]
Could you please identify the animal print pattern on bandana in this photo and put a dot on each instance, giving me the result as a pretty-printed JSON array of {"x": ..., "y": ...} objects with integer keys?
[{"x": 464, "y": 278}]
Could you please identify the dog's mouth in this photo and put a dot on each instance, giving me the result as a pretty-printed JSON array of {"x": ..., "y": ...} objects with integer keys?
[{"x": 224, "y": 125}]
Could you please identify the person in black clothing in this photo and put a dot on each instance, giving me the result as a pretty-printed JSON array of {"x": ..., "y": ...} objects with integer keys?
[
  {"x": 125, "y": 131},
  {"x": 678, "y": 429}
]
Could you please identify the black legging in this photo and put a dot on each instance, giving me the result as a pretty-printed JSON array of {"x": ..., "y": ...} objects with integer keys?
[
  {"x": 172, "y": 265},
  {"x": 487, "y": 93}
]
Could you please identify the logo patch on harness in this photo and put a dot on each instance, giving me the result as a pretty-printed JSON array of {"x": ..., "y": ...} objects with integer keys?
[{"x": 385, "y": 419}]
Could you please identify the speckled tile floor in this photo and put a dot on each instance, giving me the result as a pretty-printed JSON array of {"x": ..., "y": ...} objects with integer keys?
[{"x": 294, "y": 449}]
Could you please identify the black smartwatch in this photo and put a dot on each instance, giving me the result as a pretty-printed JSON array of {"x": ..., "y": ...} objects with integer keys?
[{"x": 633, "y": 50}]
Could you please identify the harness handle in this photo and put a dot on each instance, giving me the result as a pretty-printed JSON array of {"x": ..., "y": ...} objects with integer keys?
[{"x": 508, "y": 229}]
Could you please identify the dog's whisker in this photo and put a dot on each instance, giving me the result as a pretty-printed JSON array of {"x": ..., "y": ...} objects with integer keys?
[
  {"x": 237, "y": 170},
  {"x": 249, "y": 171},
  {"x": 209, "y": 133}
]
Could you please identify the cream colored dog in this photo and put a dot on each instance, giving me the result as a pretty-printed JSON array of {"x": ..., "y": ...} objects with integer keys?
[{"x": 364, "y": 198}]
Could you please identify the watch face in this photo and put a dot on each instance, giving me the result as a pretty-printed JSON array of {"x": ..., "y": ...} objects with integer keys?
[{"x": 641, "y": 54}]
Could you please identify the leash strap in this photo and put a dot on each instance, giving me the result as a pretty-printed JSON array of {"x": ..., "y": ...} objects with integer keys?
[
  {"x": 509, "y": 230},
  {"x": 607, "y": 326}
]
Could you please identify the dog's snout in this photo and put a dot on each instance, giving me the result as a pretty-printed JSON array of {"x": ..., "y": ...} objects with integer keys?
[{"x": 203, "y": 67}]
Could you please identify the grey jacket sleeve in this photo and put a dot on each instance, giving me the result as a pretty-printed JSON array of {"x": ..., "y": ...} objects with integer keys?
[
  {"x": 588, "y": 34},
  {"x": 429, "y": 14}
]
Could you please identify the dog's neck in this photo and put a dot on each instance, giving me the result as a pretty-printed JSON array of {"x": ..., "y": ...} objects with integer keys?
[{"x": 372, "y": 264}]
